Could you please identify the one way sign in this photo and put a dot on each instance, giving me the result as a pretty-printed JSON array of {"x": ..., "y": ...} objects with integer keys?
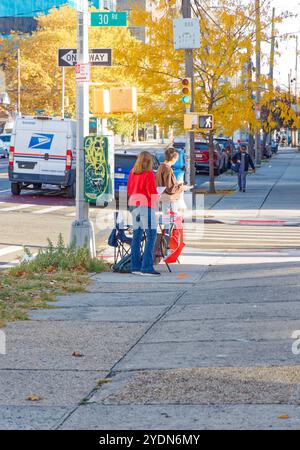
[{"x": 67, "y": 57}]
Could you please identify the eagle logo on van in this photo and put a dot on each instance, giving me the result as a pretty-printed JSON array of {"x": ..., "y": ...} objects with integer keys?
[{"x": 41, "y": 141}]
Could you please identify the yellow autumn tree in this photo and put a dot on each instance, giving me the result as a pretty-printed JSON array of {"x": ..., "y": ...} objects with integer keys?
[
  {"x": 41, "y": 78},
  {"x": 219, "y": 64}
]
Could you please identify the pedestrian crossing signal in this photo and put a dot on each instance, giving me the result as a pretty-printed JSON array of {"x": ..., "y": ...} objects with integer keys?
[
  {"x": 186, "y": 91},
  {"x": 198, "y": 122}
]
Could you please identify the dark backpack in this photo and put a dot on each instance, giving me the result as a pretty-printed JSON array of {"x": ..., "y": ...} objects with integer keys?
[{"x": 123, "y": 266}]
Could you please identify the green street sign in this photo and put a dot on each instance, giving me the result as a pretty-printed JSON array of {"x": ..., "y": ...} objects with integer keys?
[{"x": 109, "y": 19}]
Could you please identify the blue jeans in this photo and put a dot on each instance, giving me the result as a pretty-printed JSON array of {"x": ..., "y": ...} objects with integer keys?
[
  {"x": 144, "y": 220},
  {"x": 242, "y": 180}
]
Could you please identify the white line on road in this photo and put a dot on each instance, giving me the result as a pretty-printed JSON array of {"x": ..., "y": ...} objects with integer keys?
[
  {"x": 10, "y": 249},
  {"x": 49, "y": 210},
  {"x": 13, "y": 263},
  {"x": 15, "y": 208}
]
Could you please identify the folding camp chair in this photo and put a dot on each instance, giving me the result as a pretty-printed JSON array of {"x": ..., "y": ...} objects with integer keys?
[{"x": 119, "y": 240}]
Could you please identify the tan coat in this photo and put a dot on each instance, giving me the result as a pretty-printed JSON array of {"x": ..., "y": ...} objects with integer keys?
[{"x": 165, "y": 178}]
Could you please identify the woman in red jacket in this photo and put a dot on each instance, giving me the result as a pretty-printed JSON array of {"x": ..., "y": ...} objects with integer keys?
[{"x": 142, "y": 203}]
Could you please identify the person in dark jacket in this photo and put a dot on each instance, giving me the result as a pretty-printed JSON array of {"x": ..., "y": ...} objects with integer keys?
[{"x": 244, "y": 160}]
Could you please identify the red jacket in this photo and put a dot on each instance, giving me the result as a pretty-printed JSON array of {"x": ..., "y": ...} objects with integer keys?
[{"x": 142, "y": 190}]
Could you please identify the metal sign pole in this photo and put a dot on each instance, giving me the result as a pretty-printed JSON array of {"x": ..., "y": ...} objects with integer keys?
[
  {"x": 63, "y": 94},
  {"x": 82, "y": 229}
]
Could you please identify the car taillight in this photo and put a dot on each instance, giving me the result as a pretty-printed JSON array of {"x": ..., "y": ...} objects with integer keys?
[
  {"x": 11, "y": 156},
  {"x": 69, "y": 160}
]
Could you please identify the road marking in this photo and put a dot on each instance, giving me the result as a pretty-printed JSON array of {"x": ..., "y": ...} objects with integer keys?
[
  {"x": 49, "y": 210},
  {"x": 13, "y": 263},
  {"x": 15, "y": 208},
  {"x": 11, "y": 249}
]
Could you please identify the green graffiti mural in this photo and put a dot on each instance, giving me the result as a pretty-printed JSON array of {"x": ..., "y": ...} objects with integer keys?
[{"x": 98, "y": 170}]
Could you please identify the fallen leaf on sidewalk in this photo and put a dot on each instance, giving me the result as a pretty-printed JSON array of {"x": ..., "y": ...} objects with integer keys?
[
  {"x": 19, "y": 273},
  {"x": 284, "y": 416},
  {"x": 34, "y": 398},
  {"x": 103, "y": 381},
  {"x": 77, "y": 354}
]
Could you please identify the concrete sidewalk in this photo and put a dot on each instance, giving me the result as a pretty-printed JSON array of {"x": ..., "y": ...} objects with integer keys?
[
  {"x": 272, "y": 193},
  {"x": 208, "y": 346}
]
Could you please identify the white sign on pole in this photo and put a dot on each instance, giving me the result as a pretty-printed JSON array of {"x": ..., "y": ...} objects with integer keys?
[
  {"x": 186, "y": 33},
  {"x": 79, "y": 5},
  {"x": 83, "y": 73}
]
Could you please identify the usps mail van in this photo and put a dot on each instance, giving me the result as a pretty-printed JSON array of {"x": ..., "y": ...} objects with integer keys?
[{"x": 43, "y": 151}]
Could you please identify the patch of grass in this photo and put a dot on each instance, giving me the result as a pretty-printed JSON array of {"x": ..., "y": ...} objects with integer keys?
[{"x": 54, "y": 271}]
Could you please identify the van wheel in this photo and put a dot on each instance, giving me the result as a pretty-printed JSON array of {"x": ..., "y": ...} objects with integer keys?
[
  {"x": 16, "y": 188},
  {"x": 71, "y": 191}
]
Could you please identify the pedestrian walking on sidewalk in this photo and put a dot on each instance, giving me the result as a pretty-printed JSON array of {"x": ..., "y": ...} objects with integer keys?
[
  {"x": 242, "y": 160},
  {"x": 142, "y": 203}
]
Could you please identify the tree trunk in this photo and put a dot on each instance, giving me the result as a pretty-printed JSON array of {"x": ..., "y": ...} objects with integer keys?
[
  {"x": 264, "y": 143},
  {"x": 251, "y": 143},
  {"x": 212, "y": 188}
]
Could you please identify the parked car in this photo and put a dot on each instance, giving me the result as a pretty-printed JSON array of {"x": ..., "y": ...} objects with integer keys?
[
  {"x": 202, "y": 157},
  {"x": 3, "y": 150},
  {"x": 224, "y": 155},
  {"x": 227, "y": 143},
  {"x": 6, "y": 138},
  {"x": 178, "y": 167},
  {"x": 274, "y": 147},
  {"x": 124, "y": 162}
]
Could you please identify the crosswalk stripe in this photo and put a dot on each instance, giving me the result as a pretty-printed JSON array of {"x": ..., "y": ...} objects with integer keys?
[
  {"x": 49, "y": 210},
  {"x": 15, "y": 208},
  {"x": 240, "y": 238},
  {"x": 10, "y": 249},
  {"x": 225, "y": 236},
  {"x": 13, "y": 263}
]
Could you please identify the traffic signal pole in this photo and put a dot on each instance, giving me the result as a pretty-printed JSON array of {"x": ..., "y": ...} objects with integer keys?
[
  {"x": 82, "y": 232},
  {"x": 189, "y": 73},
  {"x": 258, "y": 79}
]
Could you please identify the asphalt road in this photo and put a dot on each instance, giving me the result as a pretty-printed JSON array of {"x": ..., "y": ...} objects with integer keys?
[{"x": 34, "y": 216}]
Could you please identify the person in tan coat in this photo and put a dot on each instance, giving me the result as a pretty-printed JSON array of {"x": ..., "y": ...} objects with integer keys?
[{"x": 165, "y": 178}]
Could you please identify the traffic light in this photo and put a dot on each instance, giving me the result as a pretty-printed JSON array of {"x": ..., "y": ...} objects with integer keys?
[
  {"x": 186, "y": 91},
  {"x": 100, "y": 102},
  {"x": 123, "y": 100}
]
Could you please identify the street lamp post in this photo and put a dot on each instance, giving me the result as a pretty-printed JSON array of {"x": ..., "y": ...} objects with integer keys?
[{"x": 82, "y": 232}]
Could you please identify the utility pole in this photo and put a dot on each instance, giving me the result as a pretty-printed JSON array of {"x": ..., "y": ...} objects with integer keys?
[
  {"x": 82, "y": 232},
  {"x": 296, "y": 68},
  {"x": 272, "y": 61},
  {"x": 272, "y": 54},
  {"x": 295, "y": 132},
  {"x": 189, "y": 73},
  {"x": 19, "y": 81},
  {"x": 258, "y": 81},
  {"x": 250, "y": 93},
  {"x": 63, "y": 93}
]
